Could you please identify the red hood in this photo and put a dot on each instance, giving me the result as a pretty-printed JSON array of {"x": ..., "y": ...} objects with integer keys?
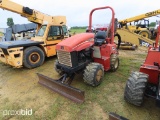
[{"x": 71, "y": 43}]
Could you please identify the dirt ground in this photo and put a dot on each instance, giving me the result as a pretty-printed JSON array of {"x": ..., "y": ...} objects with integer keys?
[{"x": 19, "y": 90}]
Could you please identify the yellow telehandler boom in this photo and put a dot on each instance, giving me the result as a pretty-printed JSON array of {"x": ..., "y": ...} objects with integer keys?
[
  {"x": 140, "y": 17},
  {"x": 31, "y": 53},
  {"x": 31, "y": 14}
]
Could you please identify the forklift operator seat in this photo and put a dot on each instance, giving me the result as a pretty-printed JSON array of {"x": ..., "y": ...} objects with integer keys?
[{"x": 100, "y": 38}]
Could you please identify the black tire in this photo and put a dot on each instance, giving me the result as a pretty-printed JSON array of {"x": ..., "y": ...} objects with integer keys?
[
  {"x": 33, "y": 57},
  {"x": 93, "y": 74},
  {"x": 135, "y": 88},
  {"x": 145, "y": 33},
  {"x": 60, "y": 72},
  {"x": 114, "y": 62},
  {"x": 119, "y": 40}
]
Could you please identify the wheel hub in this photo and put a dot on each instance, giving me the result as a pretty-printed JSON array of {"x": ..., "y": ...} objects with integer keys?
[
  {"x": 116, "y": 64},
  {"x": 99, "y": 75},
  {"x": 144, "y": 34},
  {"x": 34, "y": 57}
]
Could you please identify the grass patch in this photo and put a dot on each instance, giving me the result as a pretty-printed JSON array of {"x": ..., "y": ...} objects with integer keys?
[
  {"x": 142, "y": 55},
  {"x": 76, "y": 31},
  {"x": 8, "y": 106}
]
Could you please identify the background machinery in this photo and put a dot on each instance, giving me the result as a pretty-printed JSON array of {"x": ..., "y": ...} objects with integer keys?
[
  {"x": 147, "y": 80},
  {"x": 141, "y": 25},
  {"x": 31, "y": 53},
  {"x": 135, "y": 31},
  {"x": 89, "y": 53},
  {"x": 18, "y": 32}
]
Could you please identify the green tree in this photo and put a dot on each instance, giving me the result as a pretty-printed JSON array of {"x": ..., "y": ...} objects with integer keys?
[
  {"x": 152, "y": 24},
  {"x": 10, "y": 22}
]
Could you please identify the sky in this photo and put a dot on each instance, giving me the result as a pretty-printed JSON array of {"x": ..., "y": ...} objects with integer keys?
[{"x": 77, "y": 11}]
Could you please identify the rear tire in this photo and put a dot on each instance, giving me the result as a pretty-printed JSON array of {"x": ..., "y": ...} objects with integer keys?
[
  {"x": 33, "y": 57},
  {"x": 93, "y": 74},
  {"x": 135, "y": 88},
  {"x": 145, "y": 33},
  {"x": 114, "y": 62},
  {"x": 60, "y": 72}
]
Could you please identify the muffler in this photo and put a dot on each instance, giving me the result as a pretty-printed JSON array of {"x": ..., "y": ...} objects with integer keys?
[{"x": 65, "y": 90}]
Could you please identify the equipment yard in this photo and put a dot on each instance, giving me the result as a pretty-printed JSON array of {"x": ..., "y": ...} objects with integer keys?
[
  {"x": 19, "y": 89},
  {"x": 74, "y": 62}
]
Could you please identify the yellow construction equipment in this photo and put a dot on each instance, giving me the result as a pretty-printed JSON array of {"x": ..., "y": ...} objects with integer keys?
[
  {"x": 31, "y": 53},
  {"x": 137, "y": 34},
  {"x": 131, "y": 40},
  {"x": 138, "y": 27}
]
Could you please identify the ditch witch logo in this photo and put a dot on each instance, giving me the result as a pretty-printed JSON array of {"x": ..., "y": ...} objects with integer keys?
[{"x": 17, "y": 112}]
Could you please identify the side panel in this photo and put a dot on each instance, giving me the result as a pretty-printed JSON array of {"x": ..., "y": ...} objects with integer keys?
[
  {"x": 105, "y": 50},
  {"x": 12, "y": 56},
  {"x": 51, "y": 47},
  {"x": 153, "y": 73},
  {"x": 153, "y": 56},
  {"x": 149, "y": 68}
]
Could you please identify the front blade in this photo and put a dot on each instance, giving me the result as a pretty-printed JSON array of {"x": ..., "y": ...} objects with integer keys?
[
  {"x": 114, "y": 116},
  {"x": 70, "y": 92}
]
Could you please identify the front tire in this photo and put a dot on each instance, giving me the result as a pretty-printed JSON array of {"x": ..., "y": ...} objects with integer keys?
[
  {"x": 93, "y": 74},
  {"x": 135, "y": 88},
  {"x": 114, "y": 62},
  {"x": 33, "y": 57}
]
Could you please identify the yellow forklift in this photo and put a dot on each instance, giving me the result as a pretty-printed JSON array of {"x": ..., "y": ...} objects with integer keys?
[{"x": 31, "y": 53}]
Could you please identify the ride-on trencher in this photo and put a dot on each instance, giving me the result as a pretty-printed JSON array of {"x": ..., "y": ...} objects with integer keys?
[
  {"x": 147, "y": 80},
  {"x": 89, "y": 53}
]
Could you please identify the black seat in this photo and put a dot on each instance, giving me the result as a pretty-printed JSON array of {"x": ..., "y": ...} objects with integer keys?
[{"x": 100, "y": 38}]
